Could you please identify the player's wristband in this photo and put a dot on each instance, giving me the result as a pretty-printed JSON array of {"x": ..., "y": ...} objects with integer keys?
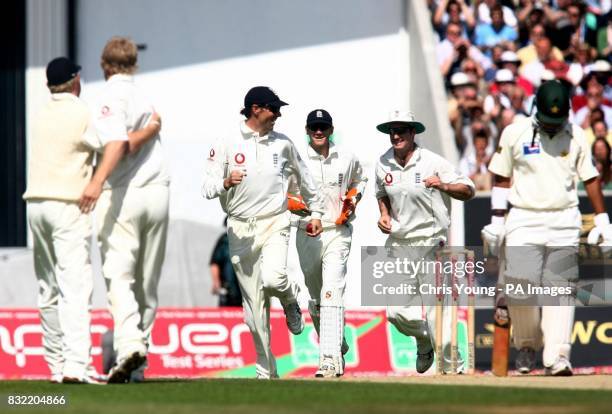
[
  {"x": 499, "y": 198},
  {"x": 601, "y": 220}
]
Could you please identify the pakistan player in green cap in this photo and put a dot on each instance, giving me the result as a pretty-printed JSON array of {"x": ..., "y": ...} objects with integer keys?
[{"x": 537, "y": 164}]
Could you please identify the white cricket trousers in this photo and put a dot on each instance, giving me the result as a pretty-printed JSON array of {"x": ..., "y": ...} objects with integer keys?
[
  {"x": 62, "y": 236},
  {"x": 258, "y": 250},
  {"x": 132, "y": 229},
  {"x": 323, "y": 261},
  {"x": 542, "y": 245},
  {"x": 419, "y": 319}
]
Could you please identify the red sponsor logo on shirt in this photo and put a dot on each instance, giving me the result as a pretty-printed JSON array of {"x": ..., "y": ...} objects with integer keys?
[
  {"x": 105, "y": 111},
  {"x": 211, "y": 154},
  {"x": 239, "y": 158},
  {"x": 388, "y": 178}
]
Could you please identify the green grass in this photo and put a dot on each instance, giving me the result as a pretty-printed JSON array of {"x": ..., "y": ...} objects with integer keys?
[{"x": 297, "y": 397}]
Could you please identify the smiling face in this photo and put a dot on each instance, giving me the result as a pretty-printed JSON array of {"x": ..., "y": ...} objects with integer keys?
[
  {"x": 402, "y": 138},
  {"x": 319, "y": 134},
  {"x": 264, "y": 117}
]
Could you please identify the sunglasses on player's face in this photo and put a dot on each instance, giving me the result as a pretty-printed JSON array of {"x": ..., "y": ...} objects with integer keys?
[
  {"x": 318, "y": 127},
  {"x": 274, "y": 109},
  {"x": 399, "y": 130}
]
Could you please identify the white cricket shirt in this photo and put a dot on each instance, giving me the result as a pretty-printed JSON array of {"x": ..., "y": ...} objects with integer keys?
[
  {"x": 268, "y": 161},
  {"x": 544, "y": 170},
  {"x": 416, "y": 211}
]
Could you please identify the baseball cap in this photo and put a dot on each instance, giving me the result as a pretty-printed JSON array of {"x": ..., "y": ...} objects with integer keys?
[
  {"x": 504, "y": 75},
  {"x": 319, "y": 116},
  {"x": 61, "y": 70},
  {"x": 553, "y": 102},
  {"x": 262, "y": 95}
]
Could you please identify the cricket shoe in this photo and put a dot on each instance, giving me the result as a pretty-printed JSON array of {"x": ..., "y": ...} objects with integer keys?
[
  {"x": 138, "y": 374},
  {"x": 92, "y": 373},
  {"x": 56, "y": 378},
  {"x": 121, "y": 372},
  {"x": 424, "y": 361},
  {"x": 295, "y": 320},
  {"x": 86, "y": 379},
  {"x": 561, "y": 368},
  {"x": 328, "y": 368},
  {"x": 525, "y": 360}
]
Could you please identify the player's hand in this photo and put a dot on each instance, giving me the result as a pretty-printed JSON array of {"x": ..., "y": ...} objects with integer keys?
[
  {"x": 154, "y": 122},
  {"x": 435, "y": 182},
  {"x": 603, "y": 230},
  {"x": 90, "y": 196},
  {"x": 492, "y": 237},
  {"x": 314, "y": 228},
  {"x": 235, "y": 178},
  {"x": 384, "y": 224}
]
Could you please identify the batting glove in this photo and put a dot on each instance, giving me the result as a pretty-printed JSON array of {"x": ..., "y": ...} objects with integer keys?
[
  {"x": 602, "y": 229},
  {"x": 493, "y": 235}
]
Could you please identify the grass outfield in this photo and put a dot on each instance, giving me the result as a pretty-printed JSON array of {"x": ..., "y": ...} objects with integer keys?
[{"x": 301, "y": 396}]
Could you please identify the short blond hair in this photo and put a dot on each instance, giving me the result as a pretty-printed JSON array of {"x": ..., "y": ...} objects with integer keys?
[
  {"x": 119, "y": 56},
  {"x": 65, "y": 87}
]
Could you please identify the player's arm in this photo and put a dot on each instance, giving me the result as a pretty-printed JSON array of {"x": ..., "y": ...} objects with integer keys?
[
  {"x": 217, "y": 180},
  {"x": 308, "y": 190},
  {"x": 113, "y": 152},
  {"x": 448, "y": 181},
  {"x": 384, "y": 222},
  {"x": 137, "y": 139},
  {"x": 384, "y": 203}
]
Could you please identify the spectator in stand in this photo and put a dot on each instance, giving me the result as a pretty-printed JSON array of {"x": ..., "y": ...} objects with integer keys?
[
  {"x": 497, "y": 32},
  {"x": 499, "y": 98},
  {"x": 529, "y": 53},
  {"x": 594, "y": 100},
  {"x": 529, "y": 14},
  {"x": 479, "y": 121},
  {"x": 476, "y": 73},
  {"x": 534, "y": 70},
  {"x": 484, "y": 12},
  {"x": 509, "y": 60},
  {"x": 462, "y": 105},
  {"x": 474, "y": 165},
  {"x": 598, "y": 130},
  {"x": 601, "y": 157},
  {"x": 455, "y": 11},
  {"x": 506, "y": 118},
  {"x": 454, "y": 49},
  {"x": 518, "y": 101}
]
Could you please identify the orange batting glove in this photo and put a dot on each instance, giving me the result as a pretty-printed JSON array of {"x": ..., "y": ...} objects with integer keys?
[
  {"x": 295, "y": 204},
  {"x": 348, "y": 206}
]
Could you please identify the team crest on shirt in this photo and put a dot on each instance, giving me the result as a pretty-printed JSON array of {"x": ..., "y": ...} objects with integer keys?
[
  {"x": 417, "y": 178},
  {"x": 105, "y": 112},
  {"x": 529, "y": 149},
  {"x": 340, "y": 178},
  {"x": 275, "y": 160},
  {"x": 389, "y": 179},
  {"x": 239, "y": 158}
]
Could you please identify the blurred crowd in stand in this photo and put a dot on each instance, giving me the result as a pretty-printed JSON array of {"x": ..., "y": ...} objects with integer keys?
[{"x": 493, "y": 55}]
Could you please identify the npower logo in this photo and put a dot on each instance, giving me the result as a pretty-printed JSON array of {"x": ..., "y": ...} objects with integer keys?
[{"x": 189, "y": 338}]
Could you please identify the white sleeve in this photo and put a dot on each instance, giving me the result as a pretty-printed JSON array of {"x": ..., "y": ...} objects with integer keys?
[
  {"x": 379, "y": 184},
  {"x": 215, "y": 171},
  {"x": 449, "y": 175},
  {"x": 110, "y": 120}
]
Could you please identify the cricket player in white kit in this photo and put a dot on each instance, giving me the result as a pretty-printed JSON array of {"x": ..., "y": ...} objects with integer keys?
[
  {"x": 61, "y": 192},
  {"x": 544, "y": 156},
  {"x": 413, "y": 188},
  {"x": 249, "y": 171},
  {"x": 132, "y": 213},
  {"x": 323, "y": 259}
]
